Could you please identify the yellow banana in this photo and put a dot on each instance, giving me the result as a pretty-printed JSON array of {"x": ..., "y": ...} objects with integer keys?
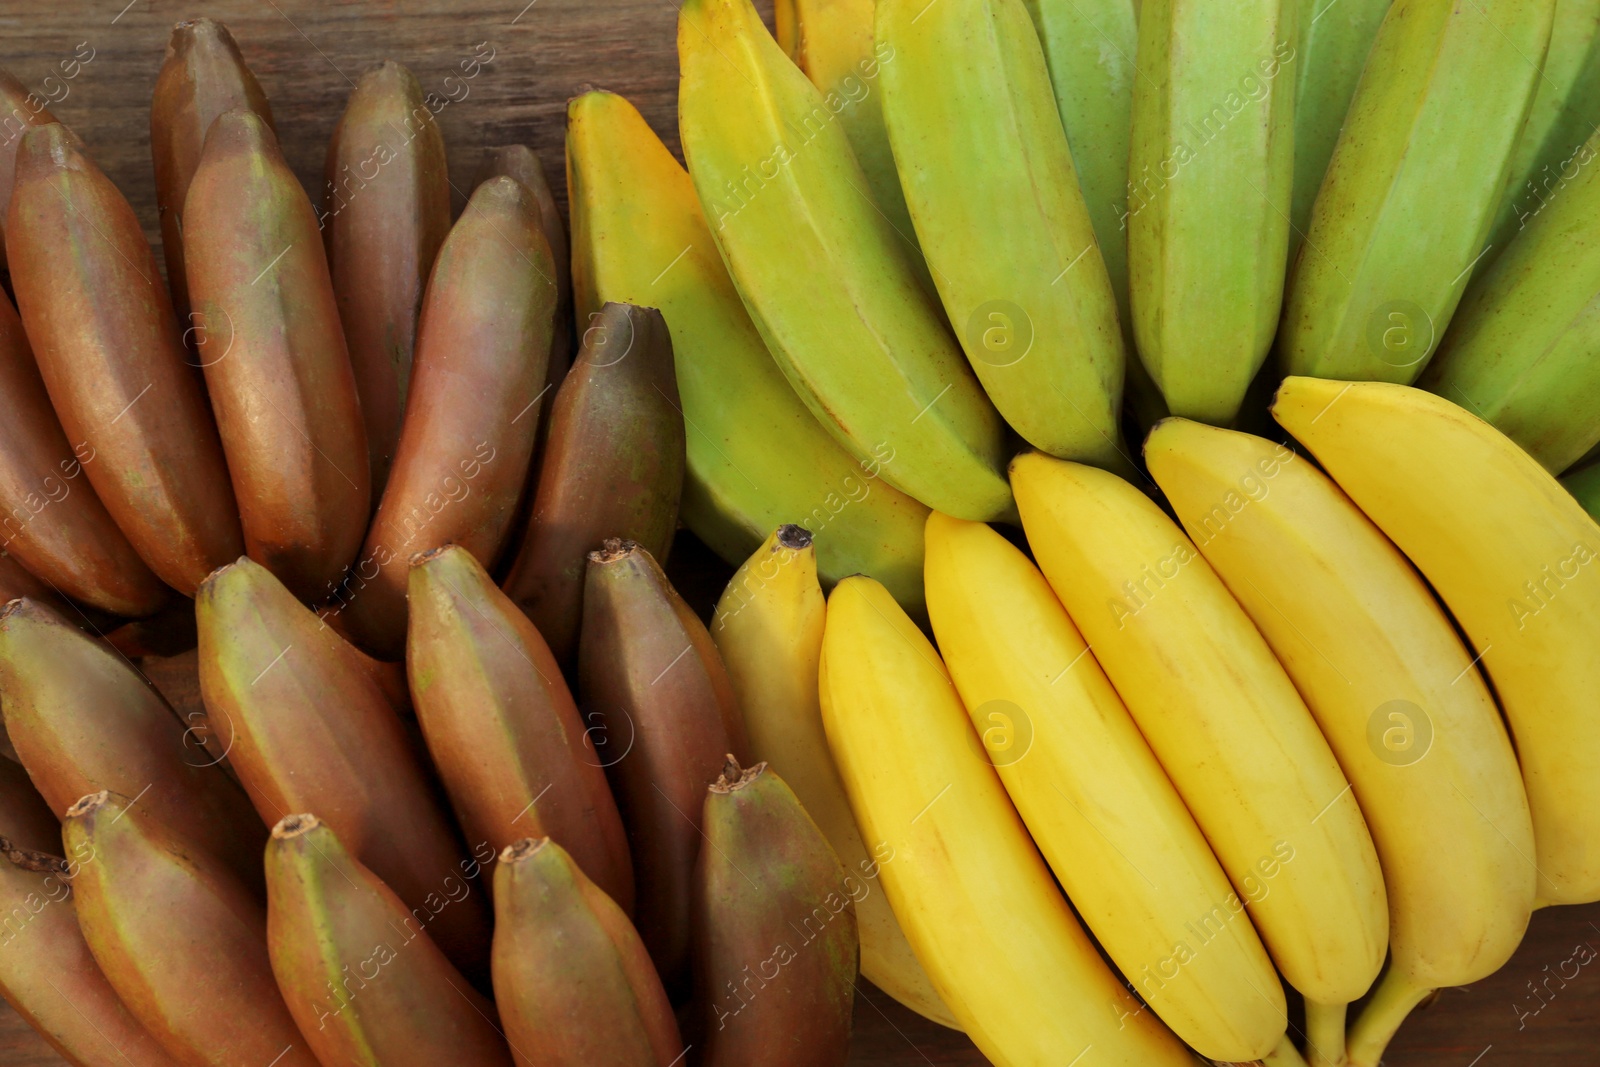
[
  {"x": 1226, "y": 723},
  {"x": 1565, "y": 113},
  {"x": 1211, "y": 166},
  {"x": 1411, "y": 190},
  {"x": 1516, "y": 560},
  {"x": 768, "y": 627},
  {"x": 967, "y": 884},
  {"x": 756, "y": 456},
  {"x": 1102, "y": 810},
  {"x": 1396, "y": 695},
  {"x": 821, "y": 271},
  {"x": 989, "y": 179}
]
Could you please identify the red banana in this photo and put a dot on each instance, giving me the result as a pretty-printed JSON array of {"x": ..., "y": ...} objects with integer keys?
[{"x": 19, "y": 109}]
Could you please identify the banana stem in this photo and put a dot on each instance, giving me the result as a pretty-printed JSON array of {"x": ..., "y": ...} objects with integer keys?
[
  {"x": 1285, "y": 1055},
  {"x": 1325, "y": 1034},
  {"x": 1394, "y": 999}
]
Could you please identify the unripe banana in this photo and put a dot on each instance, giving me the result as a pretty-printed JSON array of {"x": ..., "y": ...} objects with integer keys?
[
  {"x": 1515, "y": 559},
  {"x": 972, "y": 894},
  {"x": 1391, "y": 242},
  {"x": 1126, "y": 850},
  {"x": 1209, "y": 179},
  {"x": 1521, "y": 351},
  {"x": 1396, "y": 695},
  {"x": 861, "y": 342},
  {"x": 990, "y": 183},
  {"x": 1565, "y": 113},
  {"x": 1227, "y": 724},
  {"x": 640, "y": 237},
  {"x": 1584, "y": 484},
  {"x": 768, "y": 627}
]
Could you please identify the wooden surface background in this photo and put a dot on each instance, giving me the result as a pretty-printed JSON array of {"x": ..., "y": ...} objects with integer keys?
[{"x": 1541, "y": 1010}]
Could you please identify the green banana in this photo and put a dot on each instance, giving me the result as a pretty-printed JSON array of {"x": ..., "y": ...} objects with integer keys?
[
  {"x": 861, "y": 341},
  {"x": 1412, "y": 187},
  {"x": 756, "y": 456},
  {"x": 1565, "y": 113},
  {"x": 1584, "y": 483},
  {"x": 1521, "y": 350},
  {"x": 1210, "y": 169},
  {"x": 990, "y": 182},
  {"x": 1335, "y": 37}
]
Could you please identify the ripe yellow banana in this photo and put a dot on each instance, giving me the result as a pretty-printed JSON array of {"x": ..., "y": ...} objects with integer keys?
[
  {"x": 990, "y": 183},
  {"x": 1412, "y": 187},
  {"x": 768, "y": 627},
  {"x": 1396, "y": 695},
  {"x": 1517, "y": 562},
  {"x": 822, "y": 272},
  {"x": 967, "y": 884},
  {"x": 756, "y": 456},
  {"x": 1521, "y": 349},
  {"x": 1565, "y": 112},
  {"x": 1102, "y": 810},
  {"x": 1209, "y": 179},
  {"x": 1226, "y": 723}
]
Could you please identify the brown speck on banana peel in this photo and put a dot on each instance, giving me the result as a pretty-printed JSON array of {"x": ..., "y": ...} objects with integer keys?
[
  {"x": 82, "y": 719},
  {"x": 501, "y": 725},
  {"x": 655, "y": 689},
  {"x": 313, "y": 730},
  {"x": 612, "y": 467}
]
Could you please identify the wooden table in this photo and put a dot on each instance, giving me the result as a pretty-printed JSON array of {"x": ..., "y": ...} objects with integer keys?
[{"x": 307, "y": 56}]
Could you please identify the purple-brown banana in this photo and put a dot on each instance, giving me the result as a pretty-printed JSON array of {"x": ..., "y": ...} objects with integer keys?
[
  {"x": 25, "y": 819},
  {"x": 109, "y": 351},
  {"x": 652, "y": 682},
  {"x": 19, "y": 109},
  {"x": 776, "y": 952},
  {"x": 202, "y": 76},
  {"x": 82, "y": 719},
  {"x": 501, "y": 724},
  {"x": 367, "y": 985},
  {"x": 471, "y": 414},
  {"x": 573, "y": 982},
  {"x": 51, "y": 519},
  {"x": 180, "y": 938},
  {"x": 311, "y": 730},
  {"x": 386, "y": 211},
  {"x": 275, "y": 359},
  {"x": 612, "y": 467}
]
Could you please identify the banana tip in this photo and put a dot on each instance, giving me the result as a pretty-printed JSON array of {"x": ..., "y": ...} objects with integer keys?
[
  {"x": 88, "y": 805},
  {"x": 521, "y": 850},
  {"x": 794, "y": 537},
  {"x": 292, "y": 826},
  {"x": 735, "y": 777},
  {"x": 613, "y": 549}
]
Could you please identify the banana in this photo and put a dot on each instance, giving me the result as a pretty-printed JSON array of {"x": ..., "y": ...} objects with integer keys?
[
  {"x": 1564, "y": 114},
  {"x": 501, "y": 725},
  {"x": 1396, "y": 694},
  {"x": 1125, "y": 848},
  {"x": 831, "y": 41},
  {"x": 202, "y": 76},
  {"x": 640, "y": 237},
  {"x": 654, "y": 689},
  {"x": 211, "y": 1002},
  {"x": 1227, "y": 724},
  {"x": 768, "y": 627},
  {"x": 107, "y": 343},
  {"x": 1391, "y": 243},
  {"x": 571, "y": 977},
  {"x": 82, "y": 719},
  {"x": 330, "y": 921},
  {"x": 967, "y": 884},
  {"x": 1521, "y": 349},
  {"x": 991, "y": 187},
  {"x": 768, "y": 887},
  {"x": 861, "y": 342},
  {"x": 1335, "y": 39},
  {"x": 53, "y": 521},
  {"x": 612, "y": 467},
  {"x": 20, "y": 108},
  {"x": 26, "y": 819},
  {"x": 472, "y": 411},
  {"x": 276, "y": 364},
  {"x": 1209, "y": 176},
  {"x": 1512, "y": 555},
  {"x": 1584, "y": 484},
  {"x": 386, "y": 211}
]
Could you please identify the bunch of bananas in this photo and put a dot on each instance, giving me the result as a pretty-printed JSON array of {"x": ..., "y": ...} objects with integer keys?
[{"x": 1302, "y": 691}]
